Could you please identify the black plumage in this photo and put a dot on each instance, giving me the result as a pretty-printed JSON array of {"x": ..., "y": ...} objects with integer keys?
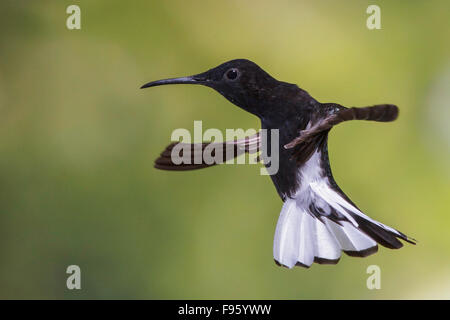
[{"x": 304, "y": 174}]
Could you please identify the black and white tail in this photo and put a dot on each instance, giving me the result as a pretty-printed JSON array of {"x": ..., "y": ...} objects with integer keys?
[{"x": 320, "y": 222}]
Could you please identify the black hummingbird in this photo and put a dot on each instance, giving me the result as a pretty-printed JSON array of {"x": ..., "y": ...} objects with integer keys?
[{"x": 317, "y": 220}]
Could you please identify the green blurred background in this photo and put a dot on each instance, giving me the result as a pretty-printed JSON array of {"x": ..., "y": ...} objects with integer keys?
[{"x": 78, "y": 139}]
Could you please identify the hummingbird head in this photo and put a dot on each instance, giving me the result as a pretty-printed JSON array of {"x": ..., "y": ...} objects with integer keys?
[{"x": 240, "y": 81}]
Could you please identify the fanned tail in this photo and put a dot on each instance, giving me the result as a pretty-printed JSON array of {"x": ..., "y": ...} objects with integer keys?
[{"x": 320, "y": 222}]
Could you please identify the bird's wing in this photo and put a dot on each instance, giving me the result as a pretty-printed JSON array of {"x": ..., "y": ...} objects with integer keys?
[
  {"x": 382, "y": 113},
  {"x": 319, "y": 221},
  {"x": 190, "y": 156}
]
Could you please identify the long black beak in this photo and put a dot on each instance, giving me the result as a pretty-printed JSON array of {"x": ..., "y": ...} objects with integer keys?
[{"x": 197, "y": 79}]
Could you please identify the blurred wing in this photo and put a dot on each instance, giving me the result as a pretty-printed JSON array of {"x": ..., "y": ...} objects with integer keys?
[
  {"x": 320, "y": 221},
  {"x": 381, "y": 113},
  {"x": 180, "y": 156}
]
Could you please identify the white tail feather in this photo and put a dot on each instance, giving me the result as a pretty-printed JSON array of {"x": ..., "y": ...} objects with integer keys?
[
  {"x": 302, "y": 238},
  {"x": 287, "y": 238},
  {"x": 306, "y": 246},
  {"x": 350, "y": 238},
  {"x": 327, "y": 247}
]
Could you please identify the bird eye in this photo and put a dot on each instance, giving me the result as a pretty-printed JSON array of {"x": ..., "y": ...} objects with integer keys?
[{"x": 232, "y": 74}]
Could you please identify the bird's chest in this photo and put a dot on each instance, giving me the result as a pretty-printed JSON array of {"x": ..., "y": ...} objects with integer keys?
[
  {"x": 294, "y": 165},
  {"x": 285, "y": 177}
]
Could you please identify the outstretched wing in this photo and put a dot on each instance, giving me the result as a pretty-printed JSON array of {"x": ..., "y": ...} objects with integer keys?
[
  {"x": 381, "y": 113},
  {"x": 174, "y": 156},
  {"x": 318, "y": 221}
]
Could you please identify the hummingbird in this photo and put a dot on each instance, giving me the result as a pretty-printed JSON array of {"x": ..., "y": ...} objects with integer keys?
[{"x": 317, "y": 221}]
